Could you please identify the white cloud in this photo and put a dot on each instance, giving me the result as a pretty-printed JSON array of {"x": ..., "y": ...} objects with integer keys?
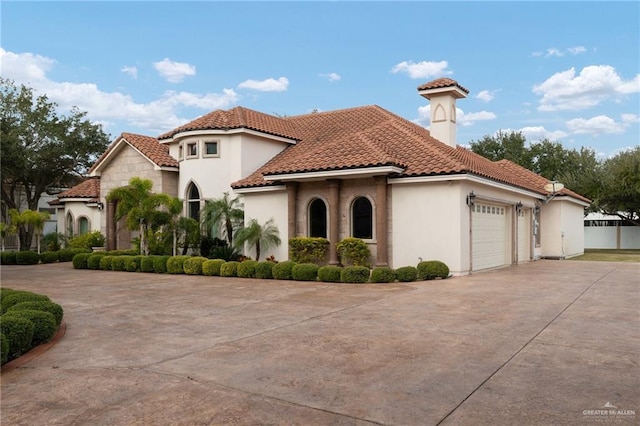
[
  {"x": 332, "y": 76},
  {"x": 422, "y": 69},
  {"x": 567, "y": 91},
  {"x": 536, "y": 133},
  {"x": 464, "y": 119},
  {"x": 552, "y": 51},
  {"x": 109, "y": 107},
  {"x": 268, "y": 85},
  {"x": 630, "y": 118},
  {"x": 576, "y": 50},
  {"x": 132, "y": 71},
  {"x": 486, "y": 95},
  {"x": 596, "y": 125},
  {"x": 174, "y": 72}
]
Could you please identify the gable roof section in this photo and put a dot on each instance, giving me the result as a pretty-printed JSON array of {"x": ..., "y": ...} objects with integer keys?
[
  {"x": 441, "y": 83},
  {"x": 88, "y": 190},
  {"x": 149, "y": 147},
  {"x": 238, "y": 118}
]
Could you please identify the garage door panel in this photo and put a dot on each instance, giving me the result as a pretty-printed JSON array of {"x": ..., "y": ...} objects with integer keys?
[{"x": 489, "y": 235}]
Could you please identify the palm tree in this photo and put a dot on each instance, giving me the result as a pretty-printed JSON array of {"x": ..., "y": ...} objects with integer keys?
[
  {"x": 254, "y": 234},
  {"x": 139, "y": 205},
  {"x": 175, "y": 208},
  {"x": 223, "y": 214}
]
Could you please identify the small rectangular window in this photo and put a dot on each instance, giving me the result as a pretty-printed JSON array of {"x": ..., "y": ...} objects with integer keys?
[
  {"x": 484, "y": 209},
  {"x": 192, "y": 149},
  {"x": 211, "y": 149}
]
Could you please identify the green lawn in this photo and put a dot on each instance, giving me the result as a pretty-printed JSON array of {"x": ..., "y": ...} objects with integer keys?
[{"x": 606, "y": 255}]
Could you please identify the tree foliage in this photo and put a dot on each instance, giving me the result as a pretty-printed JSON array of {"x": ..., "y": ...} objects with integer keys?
[
  {"x": 41, "y": 149},
  {"x": 259, "y": 236},
  {"x": 620, "y": 193},
  {"x": 224, "y": 215}
]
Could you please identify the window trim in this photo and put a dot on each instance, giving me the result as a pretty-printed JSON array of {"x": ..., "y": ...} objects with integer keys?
[
  {"x": 188, "y": 154},
  {"x": 326, "y": 216},
  {"x": 204, "y": 148},
  {"x": 373, "y": 218}
]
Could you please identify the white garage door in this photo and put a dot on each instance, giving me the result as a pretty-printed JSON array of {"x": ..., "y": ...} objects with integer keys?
[
  {"x": 524, "y": 235},
  {"x": 488, "y": 236}
]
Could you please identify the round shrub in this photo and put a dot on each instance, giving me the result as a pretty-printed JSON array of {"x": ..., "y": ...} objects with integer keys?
[
  {"x": 247, "y": 269},
  {"x": 160, "y": 264},
  {"x": 105, "y": 262},
  {"x": 27, "y": 258},
  {"x": 132, "y": 263},
  {"x": 80, "y": 260},
  {"x": 432, "y": 269},
  {"x": 305, "y": 272},
  {"x": 49, "y": 257},
  {"x": 8, "y": 257},
  {"x": 282, "y": 270},
  {"x": 175, "y": 264},
  {"x": 354, "y": 251},
  {"x": 18, "y": 296},
  {"x": 5, "y": 348},
  {"x": 211, "y": 267},
  {"x": 44, "y": 324},
  {"x": 329, "y": 274},
  {"x": 146, "y": 264},
  {"x": 354, "y": 274},
  {"x": 18, "y": 332},
  {"x": 264, "y": 270},
  {"x": 93, "y": 261},
  {"x": 117, "y": 263},
  {"x": 42, "y": 305},
  {"x": 67, "y": 255},
  {"x": 229, "y": 269},
  {"x": 383, "y": 274},
  {"x": 193, "y": 265},
  {"x": 5, "y": 291},
  {"x": 407, "y": 274}
]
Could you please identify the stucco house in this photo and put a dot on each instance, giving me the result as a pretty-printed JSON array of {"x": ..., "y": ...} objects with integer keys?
[{"x": 409, "y": 192}]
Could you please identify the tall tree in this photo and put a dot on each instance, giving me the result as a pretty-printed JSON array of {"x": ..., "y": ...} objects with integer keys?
[
  {"x": 223, "y": 214},
  {"x": 41, "y": 149},
  {"x": 504, "y": 145},
  {"x": 620, "y": 194},
  {"x": 261, "y": 236}
]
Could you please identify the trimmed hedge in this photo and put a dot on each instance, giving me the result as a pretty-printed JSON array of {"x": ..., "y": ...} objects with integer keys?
[
  {"x": 355, "y": 274},
  {"x": 105, "y": 262},
  {"x": 247, "y": 269},
  {"x": 44, "y": 324},
  {"x": 42, "y": 305},
  {"x": 432, "y": 269},
  {"x": 229, "y": 269},
  {"x": 80, "y": 260},
  {"x": 19, "y": 296},
  {"x": 18, "y": 332},
  {"x": 282, "y": 270},
  {"x": 264, "y": 270},
  {"x": 27, "y": 258},
  {"x": 211, "y": 267},
  {"x": 383, "y": 274},
  {"x": 175, "y": 264},
  {"x": 329, "y": 274},
  {"x": 132, "y": 263},
  {"x": 49, "y": 257},
  {"x": 407, "y": 274},
  {"x": 193, "y": 265},
  {"x": 305, "y": 272},
  {"x": 5, "y": 348},
  {"x": 308, "y": 249},
  {"x": 160, "y": 264},
  {"x": 146, "y": 264},
  {"x": 93, "y": 261},
  {"x": 354, "y": 251},
  {"x": 67, "y": 255},
  {"x": 117, "y": 263},
  {"x": 8, "y": 257}
]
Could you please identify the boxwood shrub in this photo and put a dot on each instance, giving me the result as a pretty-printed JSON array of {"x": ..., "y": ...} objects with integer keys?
[
  {"x": 329, "y": 274},
  {"x": 432, "y": 269},
  {"x": 247, "y": 269},
  {"x": 146, "y": 264},
  {"x": 44, "y": 324},
  {"x": 49, "y": 257},
  {"x": 19, "y": 296},
  {"x": 67, "y": 255},
  {"x": 132, "y": 263},
  {"x": 19, "y": 333},
  {"x": 282, "y": 270},
  {"x": 407, "y": 274},
  {"x": 41, "y": 305},
  {"x": 354, "y": 274},
  {"x": 105, "y": 262},
  {"x": 193, "y": 265},
  {"x": 27, "y": 258},
  {"x": 264, "y": 270},
  {"x": 93, "y": 261},
  {"x": 229, "y": 269},
  {"x": 8, "y": 257},
  {"x": 354, "y": 251},
  {"x": 211, "y": 267},
  {"x": 5, "y": 348},
  {"x": 160, "y": 264},
  {"x": 308, "y": 249},
  {"x": 175, "y": 264},
  {"x": 383, "y": 274},
  {"x": 305, "y": 272},
  {"x": 80, "y": 260},
  {"x": 117, "y": 263}
]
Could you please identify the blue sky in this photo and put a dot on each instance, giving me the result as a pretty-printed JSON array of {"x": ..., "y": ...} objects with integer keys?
[{"x": 567, "y": 71}]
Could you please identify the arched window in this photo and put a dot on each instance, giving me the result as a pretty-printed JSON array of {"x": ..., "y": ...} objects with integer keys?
[
  {"x": 318, "y": 218},
  {"x": 83, "y": 225},
  {"x": 362, "y": 218},
  {"x": 193, "y": 200},
  {"x": 69, "y": 225}
]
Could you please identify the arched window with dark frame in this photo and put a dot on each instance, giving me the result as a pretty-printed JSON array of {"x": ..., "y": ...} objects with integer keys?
[
  {"x": 83, "y": 225},
  {"x": 193, "y": 202},
  {"x": 362, "y": 218},
  {"x": 318, "y": 218}
]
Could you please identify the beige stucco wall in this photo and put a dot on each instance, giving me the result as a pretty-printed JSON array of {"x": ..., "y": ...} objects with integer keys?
[
  {"x": 264, "y": 206},
  {"x": 562, "y": 227},
  {"x": 79, "y": 209}
]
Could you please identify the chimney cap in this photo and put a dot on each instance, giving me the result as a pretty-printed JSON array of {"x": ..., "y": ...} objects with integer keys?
[{"x": 443, "y": 86}]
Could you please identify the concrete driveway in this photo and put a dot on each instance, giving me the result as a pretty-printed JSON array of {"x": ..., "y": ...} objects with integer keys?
[{"x": 549, "y": 342}]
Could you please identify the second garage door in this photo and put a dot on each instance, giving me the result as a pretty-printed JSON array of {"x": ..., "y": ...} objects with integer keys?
[{"x": 489, "y": 236}]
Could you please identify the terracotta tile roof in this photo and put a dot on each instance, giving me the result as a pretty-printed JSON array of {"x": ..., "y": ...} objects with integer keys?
[
  {"x": 89, "y": 189},
  {"x": 238, "y": 118},
  {"x": 441, "y": 83},
  {"x": 148, "y": 146},
  {"x": 371, "y": 136}
]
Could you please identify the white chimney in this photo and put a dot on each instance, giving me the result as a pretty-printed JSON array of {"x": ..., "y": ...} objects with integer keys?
[{"x": 442, "y": 94}]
